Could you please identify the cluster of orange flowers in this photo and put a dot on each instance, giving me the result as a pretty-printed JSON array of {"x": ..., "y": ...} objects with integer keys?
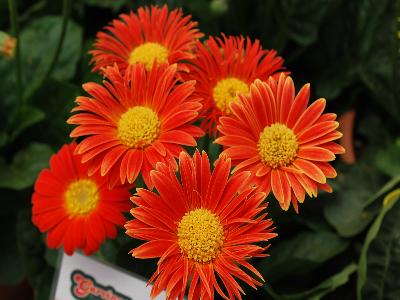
[{"x": 163, "y": 88}]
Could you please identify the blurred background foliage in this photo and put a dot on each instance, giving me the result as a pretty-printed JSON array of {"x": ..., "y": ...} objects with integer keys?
[{"x": 341, "y": 246}]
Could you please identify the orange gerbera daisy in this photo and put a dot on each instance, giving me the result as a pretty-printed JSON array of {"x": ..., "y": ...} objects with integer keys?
[
  {"x": 134, "y": 121},
  {"x": 285, "y": 144},
  {"x": 225, "y": 67},
  {"x": 76, "y": 210},
  {"x": 202, "y": 227},
  {"x": 151, "y": 34}
]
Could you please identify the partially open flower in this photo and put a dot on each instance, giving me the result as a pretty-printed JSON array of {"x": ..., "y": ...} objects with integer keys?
[{"x": 7, "y": 44}]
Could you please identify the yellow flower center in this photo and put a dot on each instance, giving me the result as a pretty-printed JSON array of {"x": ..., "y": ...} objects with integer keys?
[
  {"x": 225, "y": 91},
  {"x": 147, "y": 53},
  {"x": 277, "y": 145},
  {"x": 81, "y": 197},
  {"x": 138, "y": 127},
  {"x": 200, "y": 235}
]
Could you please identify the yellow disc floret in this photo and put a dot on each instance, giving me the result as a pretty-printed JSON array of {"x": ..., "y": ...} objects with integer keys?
[
  {"x": 277, "y": 145},
  {"x": 138, "y": 127},
  {"x": 200, "y": 235},
  {"x": 225, "y": 92},
  {"x": 147, "y": 53},
  {"x": 81, "y": 197}
]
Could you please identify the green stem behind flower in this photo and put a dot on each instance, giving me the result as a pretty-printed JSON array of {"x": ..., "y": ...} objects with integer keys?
[{"x": 37, "y": 84}]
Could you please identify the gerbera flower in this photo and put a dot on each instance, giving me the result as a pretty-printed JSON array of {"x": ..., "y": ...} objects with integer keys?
[
  {"x": 225, "y": 67},
  {"x": 285, "y": 144},
  {"x": 134, "y": 121},
  {"x": 76, "y": 210},
  {"x": 153, "y": 34},
  {"x": 202, "y": 227}
]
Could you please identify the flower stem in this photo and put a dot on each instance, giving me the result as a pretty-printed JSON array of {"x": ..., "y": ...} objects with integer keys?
[
  {"x": 35, "y": 86},
  {"x": 66, "y": 12}
]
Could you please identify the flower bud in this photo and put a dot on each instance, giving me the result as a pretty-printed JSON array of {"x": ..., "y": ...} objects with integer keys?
[{"x": 7, "y": 44}]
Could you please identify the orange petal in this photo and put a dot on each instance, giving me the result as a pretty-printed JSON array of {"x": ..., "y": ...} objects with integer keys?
[
  {"x": 134, "y": 165},
  {"x": 246, "y": 164},
  {"x": 241, "y": 152},
  {"x": 280, "y": 186},
  {"x": 310, "y": 169},
  {"x": 333, "y": 147},
  {"x": 177, "y": 137},
  {"x": 151, "y": 249},
  {"x": 296, "y": 186},
  {"x": 295, "y": 204},
  {"x": 263, "y": 170},
  {"x": 111, "y": 158},
  {"x": 315, "y": 153},
  {"x": 89, "y": 155},
  {"x": 310, "y": 115},
  {"x": 327, "y": 169},
  {"x": 334, "y": 135},
  {"x": 299, "y": 105},
  {"x": 316, "y": 131},
  {"x": 286, "y": 100},
  {"x": 235, "y": 140},
  {"x": 325, "y": 187}
]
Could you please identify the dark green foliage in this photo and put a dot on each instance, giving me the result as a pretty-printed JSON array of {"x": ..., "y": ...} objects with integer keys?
[
  {"x": 380, "y": 257},
  {"x": 26, "y": 165},
  {"x": 348, "y": 51}
]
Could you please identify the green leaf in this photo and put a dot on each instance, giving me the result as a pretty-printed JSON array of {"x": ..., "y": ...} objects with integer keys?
[
  {"x": 379, "y": 265},
  {"x": 383, "y": 190},
  {"x": 202, "y": 143},
  {"x": 317, "y": 292},
  {"x": 378, "y": 52},
  {"x": 108, "y": 251},
  {"x": 113, "y": 4},
  {"x": 334, "y": 79},
  {"x": 43, "y": 289},
  {"x": 54, "y": 128},
  {"x": 213, "y": 150},
  {"x": 8, "y": 92},
  {"x": 301, "y": 20},
  {"x": 32, "y": 251},
  {"x": 388, "y": 160},
  {"x": 26, "y": 117},
  {"x": 51, "y": 257},
  {"x": 346, "y": 210},
  {"x": 24, "y": 169},
  {"x": 370, "y": 13},
  {"x": 302, "y": 253},
  {"x": 3, "y": 138},
  {"x": 40, "y": 38}
]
